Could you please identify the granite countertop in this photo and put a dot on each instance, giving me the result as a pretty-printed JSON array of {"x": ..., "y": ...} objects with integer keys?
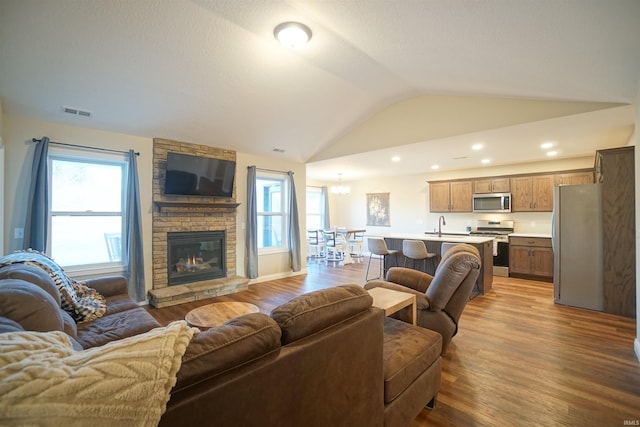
[
  {"x": 456, "y": 238},
  {"x": 539, "y": 235}
]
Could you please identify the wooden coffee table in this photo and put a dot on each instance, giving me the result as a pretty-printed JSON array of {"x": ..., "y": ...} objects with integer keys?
[
  {"x": 391, "y": 301},
  {"x": 216, "y": 314}
]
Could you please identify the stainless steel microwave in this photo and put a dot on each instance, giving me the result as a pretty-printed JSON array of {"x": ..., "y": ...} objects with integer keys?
[{"x": 494, "y": 202}]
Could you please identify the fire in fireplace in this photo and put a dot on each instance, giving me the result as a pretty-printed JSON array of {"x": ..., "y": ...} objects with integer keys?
[{"x": 196, "y": 256}]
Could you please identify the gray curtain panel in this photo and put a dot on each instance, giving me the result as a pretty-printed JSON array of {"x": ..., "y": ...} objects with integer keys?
[
  {"x": 36, "y": 224},
  {"x": 325, "y": 200},
  {"x": 294, "y": 226},
  {"x": 134, "y": 255},
  {"x": 252, "y": 224}
]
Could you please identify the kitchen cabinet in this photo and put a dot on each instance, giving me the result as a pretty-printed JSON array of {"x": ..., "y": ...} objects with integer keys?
[
  {"x": 450, "y": 196},
  {"x": 532, "y": 193},
  {"x": 531, "y": 257},
  {"x": 491, "y": 185},
  {"x": 615, "y": 172},
  {"x": 576, "y": 178}
]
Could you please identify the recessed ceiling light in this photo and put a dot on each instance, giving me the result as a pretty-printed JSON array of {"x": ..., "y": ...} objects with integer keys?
[
  {"x": 551, "y": 153},
  {"x": 477, "y": 146},
  {"x": 546, "y": 145},
  {"x": 485, "y": 161},
  {"x": 395, "y": 159},
  {"x": 434, "y": 167},
  {"x": 293, "y": 35}
]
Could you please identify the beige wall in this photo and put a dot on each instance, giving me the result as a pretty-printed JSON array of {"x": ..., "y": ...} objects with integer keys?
[
  {"x": 18, "y": 131},
  {"x": 2, "y": 169},
  {"x": 636, "y": 141},
  {"x": 271, "y": 266}
]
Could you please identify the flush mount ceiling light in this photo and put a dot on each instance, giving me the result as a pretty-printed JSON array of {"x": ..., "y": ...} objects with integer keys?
[{"x": 293, "y": 35}]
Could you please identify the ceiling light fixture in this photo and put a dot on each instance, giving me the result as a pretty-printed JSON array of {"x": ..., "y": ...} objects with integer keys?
[
  {"x": 551, "y": 153},
  {"x": 546, "y": 145},
  {"x": 434, "y": 167},
  {"x": 395, "y": 159},
  {"x": 293, "y": 35},
  {"x": 485, "y": 161},
  {"x": 340, "y": 189},
  {"x": 477, "y": 146}
]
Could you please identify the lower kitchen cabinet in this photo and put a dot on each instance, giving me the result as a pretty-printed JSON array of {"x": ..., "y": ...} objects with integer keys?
[{"x": 531, "y": 257}]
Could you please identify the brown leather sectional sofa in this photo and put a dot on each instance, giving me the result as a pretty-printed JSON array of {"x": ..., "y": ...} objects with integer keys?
[{"x": 326, "y": 358}]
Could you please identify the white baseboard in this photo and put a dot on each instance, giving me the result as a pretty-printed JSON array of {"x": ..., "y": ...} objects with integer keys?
[
  {"x": 636, "y": 347},
  {"x": 277, "y": 276}
]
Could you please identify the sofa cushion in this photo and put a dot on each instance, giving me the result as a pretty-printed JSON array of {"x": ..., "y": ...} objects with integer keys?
[
  {"x": 408, "y": 352},
  {"x": 119, "y": 303},
  {"x": 32, "y": 274},
  {"x": 238, "y": 341},
  {"x": 315, "y": 311},
  {"x": 8, "y": 325},
  {"x": 114, "y": 327},
  {"x": 43, "y": 381},
  {"x": 30, "y": 306}
]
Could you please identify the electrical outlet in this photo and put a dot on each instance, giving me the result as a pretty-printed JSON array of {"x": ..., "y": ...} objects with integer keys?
[{"x": 18, "y": 233}]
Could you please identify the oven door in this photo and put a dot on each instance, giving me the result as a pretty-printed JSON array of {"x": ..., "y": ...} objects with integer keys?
[{"x": 501, "y": 258}]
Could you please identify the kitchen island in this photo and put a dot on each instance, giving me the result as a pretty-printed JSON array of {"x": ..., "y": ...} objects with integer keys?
[{"x": 434, "y": 244}]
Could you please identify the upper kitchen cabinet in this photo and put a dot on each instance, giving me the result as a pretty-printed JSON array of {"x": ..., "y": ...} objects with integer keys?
[
  {"x": 575, "y": 178},
  {"x": 450, "y": 196},
  {"x": 491, "y": 185},
  {"x": 615, "y": 172},
  {"x": 532, "y": 193}
]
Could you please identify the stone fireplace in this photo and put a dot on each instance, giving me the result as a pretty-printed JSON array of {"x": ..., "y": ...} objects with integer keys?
[{"x": 178, "y": 216}]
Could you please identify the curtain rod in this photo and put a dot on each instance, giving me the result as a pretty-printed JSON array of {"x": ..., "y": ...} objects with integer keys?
[
  {"x": 85, "y": 146},
  {"x": 271, "y": 170}
]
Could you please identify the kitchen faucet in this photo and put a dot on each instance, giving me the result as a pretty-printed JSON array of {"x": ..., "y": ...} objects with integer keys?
[{"x": 440, "y": 224}]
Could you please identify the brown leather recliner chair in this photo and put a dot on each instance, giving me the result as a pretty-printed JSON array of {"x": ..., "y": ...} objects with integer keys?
[{"x": 440, "y": 299}]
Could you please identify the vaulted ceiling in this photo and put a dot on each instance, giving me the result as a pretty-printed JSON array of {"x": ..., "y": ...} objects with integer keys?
[{"x": 378, "y": 76}]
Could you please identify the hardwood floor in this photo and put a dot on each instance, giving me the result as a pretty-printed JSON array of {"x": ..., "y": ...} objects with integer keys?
[{"x": 517, "y": 360}]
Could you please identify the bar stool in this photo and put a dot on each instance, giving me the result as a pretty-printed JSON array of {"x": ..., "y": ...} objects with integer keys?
[
  {"x": 377, "y": 246},
  {"x": 416, "y": 250}
]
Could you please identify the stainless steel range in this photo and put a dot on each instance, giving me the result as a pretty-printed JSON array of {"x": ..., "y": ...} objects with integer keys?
[{"x": 499, "y": 231}]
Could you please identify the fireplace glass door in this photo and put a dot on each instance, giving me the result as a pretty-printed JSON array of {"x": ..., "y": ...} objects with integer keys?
[{"x": 196, "y": 256}]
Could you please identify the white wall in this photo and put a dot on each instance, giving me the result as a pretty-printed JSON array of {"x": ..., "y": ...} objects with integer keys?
[{"x": 409, "y": 200}]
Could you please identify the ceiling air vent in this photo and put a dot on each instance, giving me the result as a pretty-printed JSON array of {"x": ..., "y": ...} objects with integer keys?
[
  {"x": 278, "y": 150},
  {"x": 76, "y": 112}
]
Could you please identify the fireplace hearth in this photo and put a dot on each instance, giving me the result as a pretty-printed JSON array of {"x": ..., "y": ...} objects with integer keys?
[{"x": 195, "y": 256}]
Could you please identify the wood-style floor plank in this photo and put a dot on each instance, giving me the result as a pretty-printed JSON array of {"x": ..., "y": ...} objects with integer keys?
[{"x": 517, "y": 360}]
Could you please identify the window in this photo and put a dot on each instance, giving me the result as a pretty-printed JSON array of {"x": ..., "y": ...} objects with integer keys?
[
  {"x": 315, "y": 208},
  {"x": 272, "y": 195},
  {"x": 87, "y": 210}
]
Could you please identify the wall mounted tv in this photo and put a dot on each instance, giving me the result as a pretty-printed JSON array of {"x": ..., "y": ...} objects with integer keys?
[{"x": 199, "y": 176}]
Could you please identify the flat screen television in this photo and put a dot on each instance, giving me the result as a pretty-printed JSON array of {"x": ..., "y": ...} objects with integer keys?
[{"x": 189, "y": 175}]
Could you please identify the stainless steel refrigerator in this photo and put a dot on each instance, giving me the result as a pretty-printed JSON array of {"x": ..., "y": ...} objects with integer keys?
[{"x": 577, "y": 246}]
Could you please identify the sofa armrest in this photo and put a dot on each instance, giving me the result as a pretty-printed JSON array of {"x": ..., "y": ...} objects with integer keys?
[
  {"x": 410, "y": 278},
  {"x": 422, "y": 302},
  {"x": 232, "y": 344},
  {"x": 108, "y": 286}
]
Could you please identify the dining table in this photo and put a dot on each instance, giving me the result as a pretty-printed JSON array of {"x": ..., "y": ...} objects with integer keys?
[{"x": 347, "y": 234}]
